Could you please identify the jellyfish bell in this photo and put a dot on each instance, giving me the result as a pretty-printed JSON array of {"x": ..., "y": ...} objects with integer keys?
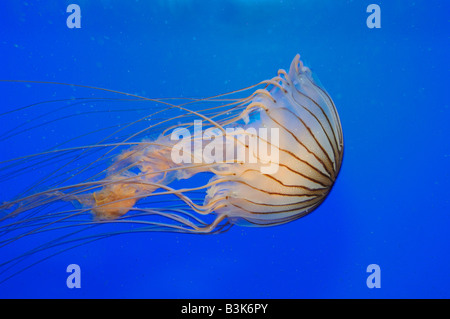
[
  {"x": 310, "y": 154},
  {"x": 271, "y": 157}
]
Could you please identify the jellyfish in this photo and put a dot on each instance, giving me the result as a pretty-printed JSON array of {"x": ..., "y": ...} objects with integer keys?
[{"x": 266, "y": 158}]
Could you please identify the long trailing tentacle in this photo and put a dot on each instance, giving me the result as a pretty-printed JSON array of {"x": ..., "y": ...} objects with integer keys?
[
  {"x": 73, "y": 239},
  {"x": 34, "y": 213}
]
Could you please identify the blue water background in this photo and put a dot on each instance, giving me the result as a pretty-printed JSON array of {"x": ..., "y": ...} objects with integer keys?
[{"x": 390, "y": 204}]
